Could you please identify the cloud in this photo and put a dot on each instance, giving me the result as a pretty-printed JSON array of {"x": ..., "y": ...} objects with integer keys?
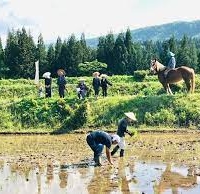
[{"x": 55, "y": 18}]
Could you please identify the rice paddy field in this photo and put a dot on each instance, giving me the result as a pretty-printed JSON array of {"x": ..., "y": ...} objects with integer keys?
[{"x": 153, "y": 163}]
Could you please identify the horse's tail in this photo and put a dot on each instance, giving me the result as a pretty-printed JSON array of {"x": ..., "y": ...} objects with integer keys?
[{"x": 192, "y": 81}]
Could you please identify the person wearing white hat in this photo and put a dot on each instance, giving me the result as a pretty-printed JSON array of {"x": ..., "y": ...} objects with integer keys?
[
  {"x": 48, "y": 82},
  {"x": 171, "y": 63},
  {"x": 97, "y": 139},
  {"x": 122, "y": 129}
]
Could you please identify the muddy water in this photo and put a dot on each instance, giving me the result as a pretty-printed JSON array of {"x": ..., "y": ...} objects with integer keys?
[{"x": 154, "y": 163}]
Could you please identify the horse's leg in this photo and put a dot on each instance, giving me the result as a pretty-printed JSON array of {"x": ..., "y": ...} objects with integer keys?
[
  {"x": 169, "y": 89},
  {"x": 188, "y": 85},
  {"x": 165, "y": 87},
  {"x": 192, "y": 81}
]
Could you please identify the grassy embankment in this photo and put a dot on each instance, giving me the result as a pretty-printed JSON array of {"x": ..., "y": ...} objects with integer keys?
[{"x": 22, "y": 110}]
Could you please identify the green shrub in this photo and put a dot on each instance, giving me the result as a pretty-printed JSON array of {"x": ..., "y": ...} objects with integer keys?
[
  {"x": 88, "y": 68},
  {"x": 163, "y": 117},
  {"x": 140, "y": 75}
]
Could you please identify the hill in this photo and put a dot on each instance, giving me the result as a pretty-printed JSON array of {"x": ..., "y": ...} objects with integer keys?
[{"x": 161, "y": 32}]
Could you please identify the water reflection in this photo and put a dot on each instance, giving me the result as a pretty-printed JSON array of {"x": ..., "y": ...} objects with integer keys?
[
  {"x": 103, "y": 180},
  {"x": 125, "y": 177},
  {"x": 174, "y": 181},
  {"x": 50, "y": 172},
  {"x": 63, "y": 177}
]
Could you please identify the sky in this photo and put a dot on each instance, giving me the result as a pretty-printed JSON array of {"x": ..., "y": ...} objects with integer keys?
[{"x": 94, "y": 18}]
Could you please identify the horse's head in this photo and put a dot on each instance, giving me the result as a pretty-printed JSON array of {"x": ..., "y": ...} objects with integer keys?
[{"x": 153, "y": 66}]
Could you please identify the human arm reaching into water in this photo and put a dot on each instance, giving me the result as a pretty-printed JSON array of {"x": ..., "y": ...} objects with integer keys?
[{"x": 108, "y": 155}]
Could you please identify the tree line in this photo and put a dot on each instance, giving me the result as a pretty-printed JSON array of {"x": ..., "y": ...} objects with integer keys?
[{"x": 121, "y": 54}]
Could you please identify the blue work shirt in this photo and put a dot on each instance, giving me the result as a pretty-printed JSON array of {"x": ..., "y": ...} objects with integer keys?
[
  {"x": 101, "y": 137},
  {"x": 172, "y": 63},
  {"x": 122, "y": 127}
]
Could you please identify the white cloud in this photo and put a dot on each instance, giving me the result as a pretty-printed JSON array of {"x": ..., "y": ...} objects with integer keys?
[{"x": 55, "y": 18}]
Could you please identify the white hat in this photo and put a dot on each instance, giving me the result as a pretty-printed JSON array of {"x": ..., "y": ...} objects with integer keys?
[
  {"x": 171, "y": 54},
  {"x": 103, "y": 75},
  {"x": 46, "y": 75},
  {"x": 115, "y": 138},
  {"x": 131, "y": 116}
]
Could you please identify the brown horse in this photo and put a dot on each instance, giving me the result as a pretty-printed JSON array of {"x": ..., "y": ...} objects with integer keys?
[{"x": 173, "y": 76}]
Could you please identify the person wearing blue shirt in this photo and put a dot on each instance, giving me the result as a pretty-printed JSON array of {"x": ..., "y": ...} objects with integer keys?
[
  {"x": 61, "y": 81},
  {"x": 122, "y": 129},
  {"x": 96, "y": 83},
  {"x": 97, "y": 139},
  {"x": 82, "y": 89},
  {"x": 104, "y": 84},
  {"x": 171, "y": 63}
]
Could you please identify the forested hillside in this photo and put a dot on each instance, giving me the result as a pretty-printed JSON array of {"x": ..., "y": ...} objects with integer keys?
[
  {"x": 120, "y": 55},
  {"x": 161, "y": 32}
]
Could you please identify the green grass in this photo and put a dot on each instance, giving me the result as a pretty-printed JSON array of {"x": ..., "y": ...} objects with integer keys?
[{"x": 22, "y": 110}]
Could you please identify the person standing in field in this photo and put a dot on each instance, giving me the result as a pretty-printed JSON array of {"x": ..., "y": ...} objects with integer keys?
[
  {"x": 122, "y": 129},
  {"x": 96, "y": 83},
  {"x": 48, "y": 82},
  {"x": 61, "y": 82},
  {"x": 104, "y": 84},
  {"x": 97, "y": 139}
]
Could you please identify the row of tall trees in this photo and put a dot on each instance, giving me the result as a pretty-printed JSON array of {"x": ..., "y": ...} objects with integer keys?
[{"x": 121, "y": 54}]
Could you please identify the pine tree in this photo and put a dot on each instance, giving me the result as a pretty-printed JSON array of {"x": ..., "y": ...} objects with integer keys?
[
  {"x": 27, "y": 54},
  {"x": 84, "y": 49},
  {"x": 173, "y": 45},
  {"x": 108, "y": 49},
  {"x": 148, "y": 53},
  {"x": 51, "y": 59},
  {"x": 74, "y": 56},
  {"x": 183, "y": 53},
  {"x": 42, "y": 55},
  {"x": 3, "y": 68},
  {"x": 12, "y": 55},
  {"x": 63, "y": 59},
  {"x": 131, "y": 63},
  {"x": 120, "y": 55},
  {"x": 139, "y": 52},
  {"x": 57, "y": 63},
  {"x": 101, "y": 53}
]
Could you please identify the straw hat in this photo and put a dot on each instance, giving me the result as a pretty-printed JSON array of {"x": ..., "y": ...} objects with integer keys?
[
  {"x": 96, "y": 73},
  {"x": 131, "y": 116},
  {"x": 61, "y": 72}
]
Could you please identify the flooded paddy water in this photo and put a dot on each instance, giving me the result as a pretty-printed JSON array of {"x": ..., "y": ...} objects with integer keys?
[{"x": 153, "y": 163}]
